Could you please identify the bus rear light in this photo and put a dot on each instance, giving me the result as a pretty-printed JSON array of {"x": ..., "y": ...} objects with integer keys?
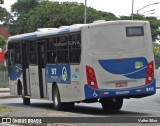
[
  {"x": 150, "y": 73},
  {"x": 91, "y": 77}
]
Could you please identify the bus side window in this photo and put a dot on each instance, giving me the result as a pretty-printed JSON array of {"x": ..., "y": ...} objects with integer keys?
[
  {"x": 17, "y": 53},
  {"x": 51, "y": 51},
  {"x": 52, "y": 57},
  {"x": 74, "y": 48},
  {"x": 62, "y": 49},
  {"x": 33, "y": 57}
]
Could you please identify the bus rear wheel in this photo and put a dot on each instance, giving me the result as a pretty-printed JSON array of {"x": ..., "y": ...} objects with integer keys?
[
  {"x": 26, "y": 101},
  {"x": 112, "y": 104},
  {"x": 58, "y": 105},
  {"x": 56, "y": 99}
]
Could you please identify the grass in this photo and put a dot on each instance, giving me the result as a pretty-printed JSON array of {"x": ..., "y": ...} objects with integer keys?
[
  {"x": 4, "y": 108},
  {"x": 4, "y": 85}
]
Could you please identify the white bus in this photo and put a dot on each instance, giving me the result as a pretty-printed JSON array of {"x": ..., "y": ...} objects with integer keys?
[{"x": 104, "y": 62}]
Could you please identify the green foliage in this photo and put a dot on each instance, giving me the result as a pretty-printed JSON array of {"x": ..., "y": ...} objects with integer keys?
[
  {"x": 154, "y": 22},
  {"x": 4, "y": 86},
  {"x": 33, "y": 14},
  {"x": 44, "y": 13},
  {"x": 2, "y": 42},
  {"x": 23, "y": 6},
  {"x": 156, "y": 49},
  {"x": 3, "y": 14},
  {"x": 1, "y": 1},
  {"x": 2, "y": 67},
  {"x": 4, "y": 108}
]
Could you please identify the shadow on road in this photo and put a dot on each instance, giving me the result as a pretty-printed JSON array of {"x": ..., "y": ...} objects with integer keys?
[{"x": 78, "y": 109}]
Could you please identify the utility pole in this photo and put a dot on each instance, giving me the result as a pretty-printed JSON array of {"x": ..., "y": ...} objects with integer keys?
[{"x": 85, "y": 12}]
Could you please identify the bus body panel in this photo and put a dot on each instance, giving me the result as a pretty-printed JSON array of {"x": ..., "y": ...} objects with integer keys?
[
  {"x": 44, "y": 83},
  {"x": 137, "y": 92},
  {"x": 119, "y": 62},
  {"x": 34, "y": 81},
  {"x": 116, "y": 61},
  {"x": 15, "y": 74},
  {"x": 68, "y": 79}
]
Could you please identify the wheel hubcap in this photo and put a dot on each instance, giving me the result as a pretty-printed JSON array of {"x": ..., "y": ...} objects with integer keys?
[{"x": 56, "y": 100}]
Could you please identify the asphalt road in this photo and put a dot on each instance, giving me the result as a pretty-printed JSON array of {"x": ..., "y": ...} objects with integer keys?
[{"x": 143, "y": 108}]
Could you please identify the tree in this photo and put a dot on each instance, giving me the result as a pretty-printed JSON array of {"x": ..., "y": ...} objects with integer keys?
[
  {"x": 52, "y": 14},
  {"x": 23, "y": 6},
  {"x": 19, "y": 12},
  {"x": 1, "y": 1},
  {"x": 154, "y": 22},
  {"x": 2, "y": 42},
  {"x": 156, "y": 50}
]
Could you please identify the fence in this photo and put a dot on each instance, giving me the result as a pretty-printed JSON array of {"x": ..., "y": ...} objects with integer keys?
[{"x": 4, "y": 79}]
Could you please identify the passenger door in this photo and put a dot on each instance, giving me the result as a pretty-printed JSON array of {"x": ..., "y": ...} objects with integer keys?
[{"x": 41, "y": 67}]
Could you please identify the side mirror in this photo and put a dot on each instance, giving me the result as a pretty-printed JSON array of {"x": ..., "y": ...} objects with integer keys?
[
  {"x": 6, "y": 57},
  {"x": 9, "y": 58}
]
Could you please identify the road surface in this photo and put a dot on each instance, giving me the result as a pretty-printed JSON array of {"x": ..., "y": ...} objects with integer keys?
[{"x": 143, "y": 108}]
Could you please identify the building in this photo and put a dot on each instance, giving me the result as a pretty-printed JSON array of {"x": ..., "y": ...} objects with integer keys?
[
  {"x": 2, "y": 56},
  {"x": 5, "y": 33}
]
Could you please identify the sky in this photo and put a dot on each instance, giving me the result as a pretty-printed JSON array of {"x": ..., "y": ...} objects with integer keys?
[{"x": 117, "y": 7}]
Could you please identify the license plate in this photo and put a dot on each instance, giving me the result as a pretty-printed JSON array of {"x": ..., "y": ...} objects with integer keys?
[{"x": 121, "y": 84}]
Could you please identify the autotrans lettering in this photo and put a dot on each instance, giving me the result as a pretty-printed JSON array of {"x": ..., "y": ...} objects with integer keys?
[
  {"x": 60, "y": 44},
  {"x": 71, "y": 43},
  {"x": 122, "y": 92}
]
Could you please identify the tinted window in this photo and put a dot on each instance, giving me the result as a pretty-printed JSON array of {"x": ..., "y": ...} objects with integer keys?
[
  {"x": 134, "y": 31},
  {"x": 74, "y": 48},
  {"x": 33, "y": 48}
]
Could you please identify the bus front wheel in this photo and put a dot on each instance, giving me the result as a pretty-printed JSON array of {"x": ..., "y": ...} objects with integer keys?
[{"x": 112, "y": 104}]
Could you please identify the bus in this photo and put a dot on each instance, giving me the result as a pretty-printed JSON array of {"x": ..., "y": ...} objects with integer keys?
[{"x": 103, "y": 61}]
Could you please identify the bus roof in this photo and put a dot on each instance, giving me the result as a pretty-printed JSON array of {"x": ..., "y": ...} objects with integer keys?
[
  {"x": 61, "y": 30},
  {"x": 27, "y": 36},
  {"x": 67, "y": 29}
]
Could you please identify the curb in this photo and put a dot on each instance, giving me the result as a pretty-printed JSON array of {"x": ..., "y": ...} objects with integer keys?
[
  {"x": 4, "y": 89},
  {"x": 9, "y": 96},
  {"x": 7, "y": 90}
]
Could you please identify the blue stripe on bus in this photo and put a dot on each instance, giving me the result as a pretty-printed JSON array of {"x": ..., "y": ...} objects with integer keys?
[
  {"x": 64, "y": 30},
  {"x": 91, "y": 93},
  {"x": 16, "y": 72},
  {"x": 59, "y": 74},
  {"x": 134, "y": 68},
  {"x": 30, "y": 36}
]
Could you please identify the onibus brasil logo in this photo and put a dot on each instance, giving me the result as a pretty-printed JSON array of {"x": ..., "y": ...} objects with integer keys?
[{"x": 64, "y": 73}]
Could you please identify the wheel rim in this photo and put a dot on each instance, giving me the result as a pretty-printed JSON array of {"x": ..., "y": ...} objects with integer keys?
[{"x": 56, "y": 100}]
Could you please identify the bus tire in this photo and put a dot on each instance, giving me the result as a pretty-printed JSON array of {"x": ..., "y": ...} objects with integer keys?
[
  {"x": 68, "y": 105},
  {"x": 26, "y": 101},
  {"x": 56, "y": 98},
  {"x": 112, "y": 104},
  {"x": 19, "y": 88},
  {"x": 58, "y": 105}
]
